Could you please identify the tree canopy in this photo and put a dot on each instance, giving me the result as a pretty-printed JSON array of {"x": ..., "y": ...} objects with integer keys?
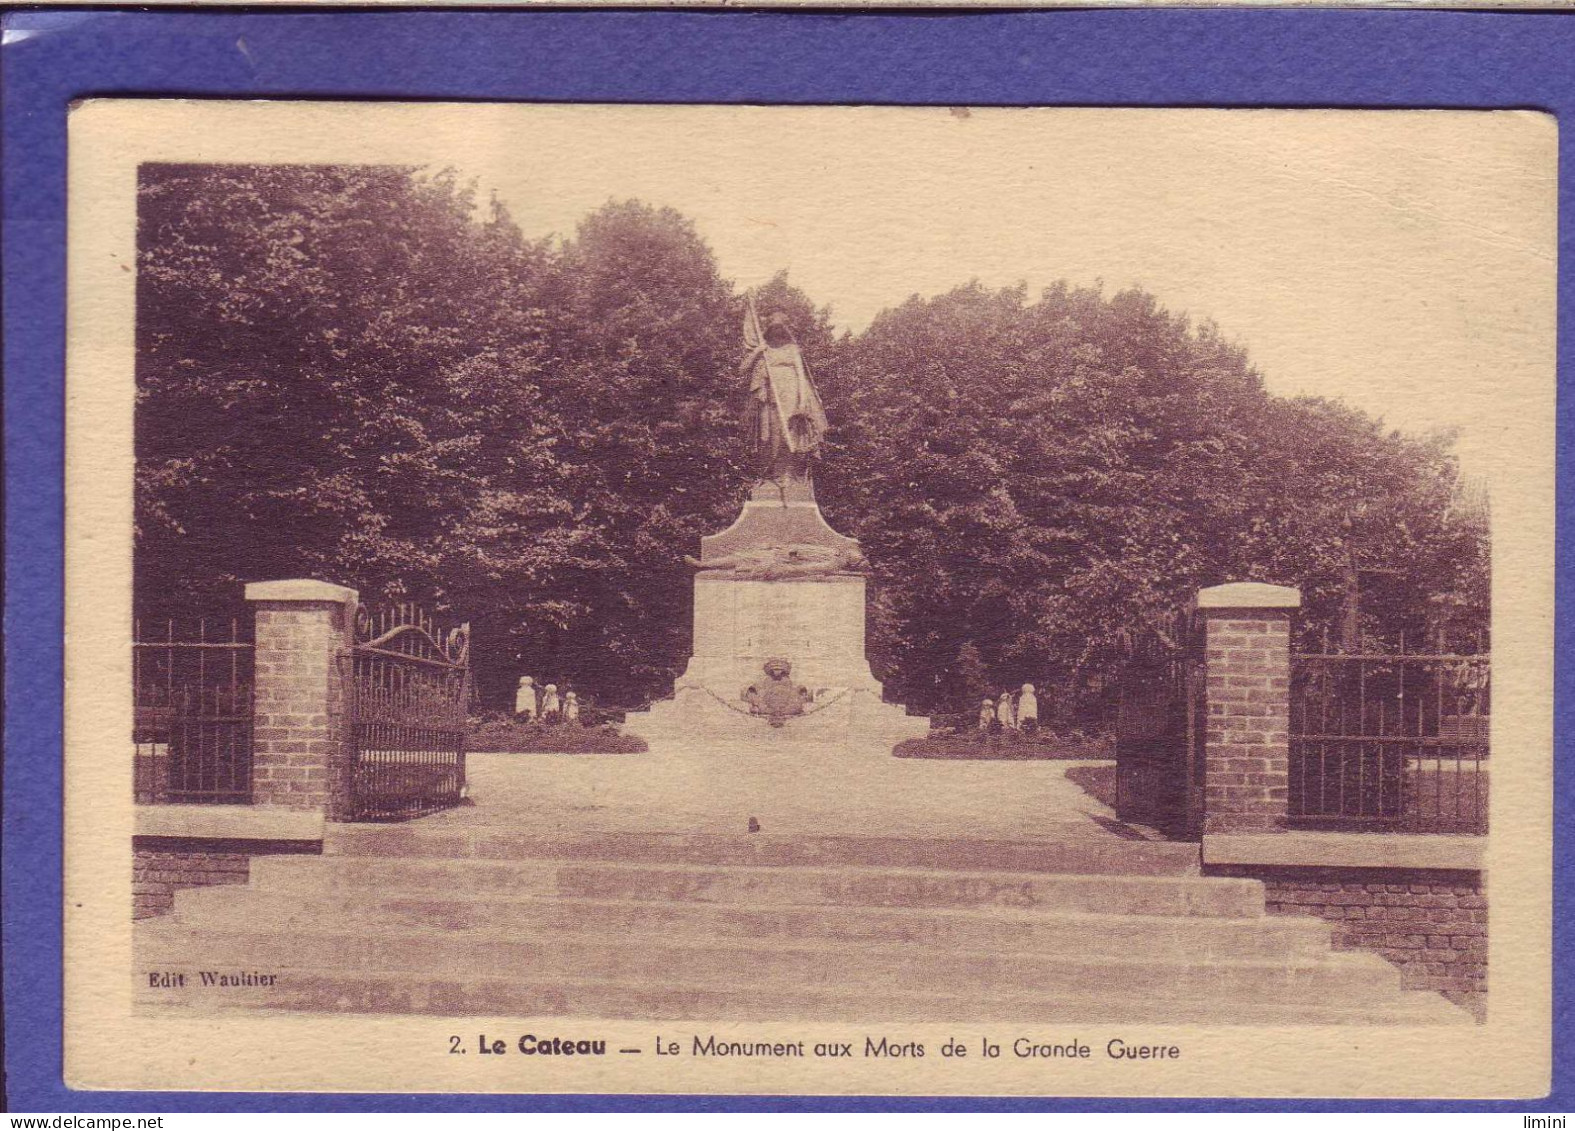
[
  {"x": 362, "y": 374},
  {"x": 1049, "y": 480}
]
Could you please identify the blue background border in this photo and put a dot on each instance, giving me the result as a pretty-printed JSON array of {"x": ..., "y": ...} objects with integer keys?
[{"x": 1108, "y": 58}]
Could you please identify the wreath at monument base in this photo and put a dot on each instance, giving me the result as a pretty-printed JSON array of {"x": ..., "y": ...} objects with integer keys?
[{"x": 777, "y": 697}]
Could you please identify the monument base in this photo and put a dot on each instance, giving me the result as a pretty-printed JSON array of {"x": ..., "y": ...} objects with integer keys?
[
  {"x": 812, "y": 620},
  {"x": 850, "y": 719}
]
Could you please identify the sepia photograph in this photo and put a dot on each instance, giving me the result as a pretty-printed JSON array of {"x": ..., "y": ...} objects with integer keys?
[{"x": 899, "y": 600}]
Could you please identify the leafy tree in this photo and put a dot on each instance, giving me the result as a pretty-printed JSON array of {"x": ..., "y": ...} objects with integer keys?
[
  {"x": 1049, "y": 480},
  {"x": 357, "y": 373},
  {"x": 347, "y": 372},
  {"x": 970, "y": 679},
  {"x": 339, "y": 376},
  {"x": 644, "y": 353}
]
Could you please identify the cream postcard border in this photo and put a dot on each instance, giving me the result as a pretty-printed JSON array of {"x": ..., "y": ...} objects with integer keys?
[{"x": 107, "y": 1046}]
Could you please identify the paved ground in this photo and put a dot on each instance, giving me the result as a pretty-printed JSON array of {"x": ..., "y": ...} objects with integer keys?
[{"x": 788, "y": 790}]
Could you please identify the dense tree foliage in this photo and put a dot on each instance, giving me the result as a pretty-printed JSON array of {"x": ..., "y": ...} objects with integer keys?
[
  {"x": 357, "y": 373},
  {"x": 1048, "y": 481},
  {"x": 345, "y": 373},
  {"x": 338, "y": 375},
  {"x": 645, "y": 345}
]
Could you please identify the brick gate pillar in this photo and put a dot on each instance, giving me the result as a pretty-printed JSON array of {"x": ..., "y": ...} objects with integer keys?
[
  {"x": 1247, "y": 639},
  {"x": 298, "y": 716}
]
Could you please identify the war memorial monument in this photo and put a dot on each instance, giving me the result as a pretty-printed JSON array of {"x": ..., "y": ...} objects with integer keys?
[{"x": 779, "y": 595}]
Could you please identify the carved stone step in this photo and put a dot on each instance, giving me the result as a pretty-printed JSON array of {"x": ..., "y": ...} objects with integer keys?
[
  {"x": 1070, "y": 854},
  {"x": 802, "y": 886},
  {"x": 876, "y": 968},
  {"x": 997, "y": 929}
]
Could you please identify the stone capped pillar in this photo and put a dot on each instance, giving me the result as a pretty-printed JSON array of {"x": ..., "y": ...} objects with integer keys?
[
  {"x": 299, "y": 754},
  {"x": 1247, "y": 628}
]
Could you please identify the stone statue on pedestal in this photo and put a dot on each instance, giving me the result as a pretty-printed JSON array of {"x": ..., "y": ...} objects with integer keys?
[
  {"x": 779, "y": 585},
  {"x": 783, "y": 416},
  {"x": 1027, "y": 709},
  {"x": 525, "y": 699}
]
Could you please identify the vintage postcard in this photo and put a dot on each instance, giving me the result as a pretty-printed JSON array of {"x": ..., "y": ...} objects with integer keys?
[{"x": 809, "y": 600}]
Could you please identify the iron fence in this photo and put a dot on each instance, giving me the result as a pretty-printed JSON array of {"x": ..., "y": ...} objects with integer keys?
[
  {"x": 192, "y": 722},
  {"x": 407, "y": 689},
  {"x": 1160, "y": 732},
  {"x": 1393, "y": 742}
]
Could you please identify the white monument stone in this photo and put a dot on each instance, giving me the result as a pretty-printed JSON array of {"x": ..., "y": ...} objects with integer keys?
[
  {"x": 1027, "y": 707},
  {"x": 525, "y": 699}
]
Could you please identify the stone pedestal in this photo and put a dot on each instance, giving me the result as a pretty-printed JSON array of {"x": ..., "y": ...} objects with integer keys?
[
  {"x": 776, "y": 514},
  {"x": 816, "y": 623}
]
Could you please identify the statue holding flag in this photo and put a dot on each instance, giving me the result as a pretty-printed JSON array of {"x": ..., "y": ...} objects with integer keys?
[
  {"x": 779, "y": 587},
  {"x": 783, "y": 416}
]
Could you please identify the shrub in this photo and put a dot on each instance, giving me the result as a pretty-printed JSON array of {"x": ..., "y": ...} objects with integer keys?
[
  {"x": 1005, "y": 745},
  {"x": 504, "y": 735}
]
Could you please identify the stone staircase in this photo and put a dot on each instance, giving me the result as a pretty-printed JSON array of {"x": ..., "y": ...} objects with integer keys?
[{"x": 454, "y": 920}]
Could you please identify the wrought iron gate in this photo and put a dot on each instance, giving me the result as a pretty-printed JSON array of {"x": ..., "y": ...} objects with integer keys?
[
  {"x": 407, "y": 687},
  {"x": 1160, "y": 730}
]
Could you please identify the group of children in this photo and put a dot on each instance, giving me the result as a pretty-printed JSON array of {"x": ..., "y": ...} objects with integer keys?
[
  {"x": 549, "y": 708},
  {"x": 1021, "y": 715}
]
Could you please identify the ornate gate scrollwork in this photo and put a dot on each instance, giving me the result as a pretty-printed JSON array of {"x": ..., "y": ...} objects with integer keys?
[{"x": 407, "y": 687}]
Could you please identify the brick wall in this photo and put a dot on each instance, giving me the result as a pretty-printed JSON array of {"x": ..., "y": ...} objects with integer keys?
[
  {"x": 1430, "y": 923},
  {"x": 161, "y": 866},
  {"x": 1246, "y": 783}
]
